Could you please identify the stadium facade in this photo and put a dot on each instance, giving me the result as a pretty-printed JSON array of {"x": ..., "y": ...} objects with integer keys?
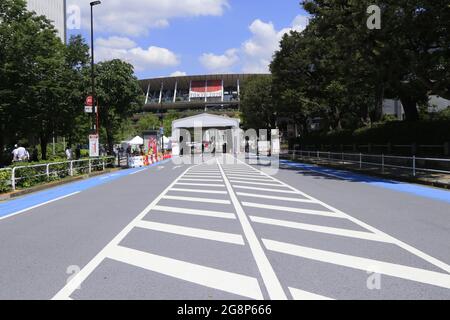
[
  {"x": 211, "y": 93},
  {"x": 217, "y": 94},
  {"x": 54, "y": 10}
]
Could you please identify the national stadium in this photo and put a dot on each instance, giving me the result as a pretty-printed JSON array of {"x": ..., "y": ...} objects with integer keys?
[{"x": 217, "y": 94}]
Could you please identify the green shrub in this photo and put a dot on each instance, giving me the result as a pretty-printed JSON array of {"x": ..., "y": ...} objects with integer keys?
[
  {"x": 395, "y": 132},
  {"x": 5, "y": 181}
]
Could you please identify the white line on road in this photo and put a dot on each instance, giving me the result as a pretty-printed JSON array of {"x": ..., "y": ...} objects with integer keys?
[
  {"x": 78, "y": 279},
  {"x": 264, "y": 189},
  {"x": 201, "y": 180},
  {"x": 193, "y": 232},
  {"x": 198, "y": 191},
  {"x": 196, "y": 212},
  {"x": 190, "y": 175},
  {"x": 37, "y": 206},
  {"x": 294, "y": 210},
  {"x": 262, "y": 196},
  {"x": 369, "y": 265},
  {"x": 136, "y": 172},
  {"x": 257, "y": 183},
  {"x": 321, "y": 229},
  {"x": 273, "y": 285},
  {"x": 203, "y": 200},
  {"x": 200, "y": 184},
  {"x": 438, "y": 263},
  {"x": 305, "y": 295},
  {"x": 213, "y": 278},
  {"x": 243, "y": 178}
]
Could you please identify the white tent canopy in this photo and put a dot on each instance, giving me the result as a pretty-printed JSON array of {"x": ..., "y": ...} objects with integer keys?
[
  {"x": 205, "y": 120},
  {"x": 136, "y": 141}
]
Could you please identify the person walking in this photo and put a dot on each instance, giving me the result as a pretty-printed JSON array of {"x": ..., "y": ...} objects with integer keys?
[
  {"x": 20, "y": 154},
  {"x": 78, "y": 152},
  {"x": 15, "y": 153},
  {"x": 69, "y": 153},
  {"x": 34, "y": 155}
]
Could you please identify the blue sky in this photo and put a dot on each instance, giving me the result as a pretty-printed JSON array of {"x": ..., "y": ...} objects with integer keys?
[{"x": 164, "y": 37}]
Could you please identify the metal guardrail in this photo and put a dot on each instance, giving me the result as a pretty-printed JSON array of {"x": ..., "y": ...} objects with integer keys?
[
  {"x": 69, "y": 168},
  {"x": 411, "y": 164}
]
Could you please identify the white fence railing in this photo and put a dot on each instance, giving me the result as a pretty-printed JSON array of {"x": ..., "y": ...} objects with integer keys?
[
  {"x": 51, "y": 170},
  {"x": 411, "y": 164}
]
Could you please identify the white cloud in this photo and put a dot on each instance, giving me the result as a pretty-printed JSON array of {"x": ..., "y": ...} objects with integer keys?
[
  {"x": 178, "y": 74},
  {"x": 125, "y": 49},
  {"x": 256, "y": 53},
  {"x": 220, "y": 63},
  {"x": 265, "y": 40},
  {"x": 116, "y": 43},
  {"x": 137, "y": 17}
]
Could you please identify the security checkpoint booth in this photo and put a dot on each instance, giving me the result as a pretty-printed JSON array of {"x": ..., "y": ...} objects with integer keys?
[{"x": 206, "y": 133}]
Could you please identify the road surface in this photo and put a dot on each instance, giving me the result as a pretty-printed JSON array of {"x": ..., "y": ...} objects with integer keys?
[{"x": 223, "y": 229}]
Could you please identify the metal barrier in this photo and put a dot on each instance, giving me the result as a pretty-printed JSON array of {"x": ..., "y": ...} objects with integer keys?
[
  {"x": 412, "y": 164},
  {"x": 60, "y": 169}
]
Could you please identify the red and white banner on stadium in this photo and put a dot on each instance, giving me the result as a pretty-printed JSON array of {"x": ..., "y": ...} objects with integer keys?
[{"x": 208, "y": 89}]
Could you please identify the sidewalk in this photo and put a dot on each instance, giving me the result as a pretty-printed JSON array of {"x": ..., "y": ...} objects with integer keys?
[{"x": 438, "y": 180}]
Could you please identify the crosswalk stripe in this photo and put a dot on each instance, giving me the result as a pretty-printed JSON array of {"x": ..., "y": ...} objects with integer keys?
[
  {"x": 196, "y": 212},
  {"x": 248, "y": 173},
  {"x": 258, "y": 183},
  {"x": 253, "y": 195},
  {"x": 422, "y": 255},
  {"x": 244, "y": 178},
  {"x": 269, "y": 277},
  {"x": 305, "y": 295},
  {"x": 321, "y": 229},
  {"x": 202, "y": 176},
  {"x": 234, "y": 283},
  {"x": 294, "y": 210},
  {"x": 201, "y": 180},
  {"x": 193, "y": 232},
  {"x": 203, "y": 200},
  {"x": 198, "y": 191},
  {"x": 200, "y": 184},
  {"x": 368, "y": 265},
  {"x": 264, "y": 189},
  {"x": 204, "y": 172}
]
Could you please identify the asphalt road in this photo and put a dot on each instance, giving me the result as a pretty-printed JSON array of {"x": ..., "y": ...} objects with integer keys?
[{"x": 223, "y": 229}]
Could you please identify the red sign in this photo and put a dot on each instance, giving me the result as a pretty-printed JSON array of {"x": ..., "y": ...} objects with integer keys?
[
  {"x": 89, "y": 101},
  {"x": 210, "y": 88}
]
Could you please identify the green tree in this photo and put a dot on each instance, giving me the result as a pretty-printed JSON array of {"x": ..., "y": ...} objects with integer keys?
[
  {"x": 168, "y": 118},
  {"x": 118, "y": 93},
  {"x": 148, "y": 122},
  {"x": 257, "y": 104}
]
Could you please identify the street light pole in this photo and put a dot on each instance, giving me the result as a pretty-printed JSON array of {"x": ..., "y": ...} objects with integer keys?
[{"x": 94, "y": 100}]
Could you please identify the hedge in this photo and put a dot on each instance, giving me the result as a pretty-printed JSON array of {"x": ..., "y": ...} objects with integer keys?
[
  {"x": 395, "y": 132},
  {"x": 28, "y": 177}
]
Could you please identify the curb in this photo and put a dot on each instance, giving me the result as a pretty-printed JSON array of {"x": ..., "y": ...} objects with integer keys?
[{"x": 419, "y": 181}]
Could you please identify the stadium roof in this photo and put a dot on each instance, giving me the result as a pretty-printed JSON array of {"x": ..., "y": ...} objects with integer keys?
[{"x": 183, "y": 81}]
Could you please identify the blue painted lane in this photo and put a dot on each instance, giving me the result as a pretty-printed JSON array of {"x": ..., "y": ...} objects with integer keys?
[
  {"x": 10, "y": 207},
  {"x": 418, "y": 190}
]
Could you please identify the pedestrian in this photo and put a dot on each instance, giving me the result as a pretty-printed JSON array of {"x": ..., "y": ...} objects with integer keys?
[
  {"x": 78, "y": 152},
  {"x": 15, "y": 153},
  {"x": 34, "y": 155},
  {"x": 21, "y": 154},
  {"x": 69, "y": 153}
]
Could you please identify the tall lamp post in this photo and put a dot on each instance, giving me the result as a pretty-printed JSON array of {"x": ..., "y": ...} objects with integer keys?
[{"x": 94, "y": 100}]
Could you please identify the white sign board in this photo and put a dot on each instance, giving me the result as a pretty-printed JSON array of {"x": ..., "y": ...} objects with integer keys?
[
  {"x": 88, "y": 109},
  {"x": 93, "y": 146}
]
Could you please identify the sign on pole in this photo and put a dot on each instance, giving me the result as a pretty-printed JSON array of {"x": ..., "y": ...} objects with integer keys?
[
  {"x": 93, "y": 146},
  {"x": 88, "y": 109},
  {"x": 89, "y": 101}
]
